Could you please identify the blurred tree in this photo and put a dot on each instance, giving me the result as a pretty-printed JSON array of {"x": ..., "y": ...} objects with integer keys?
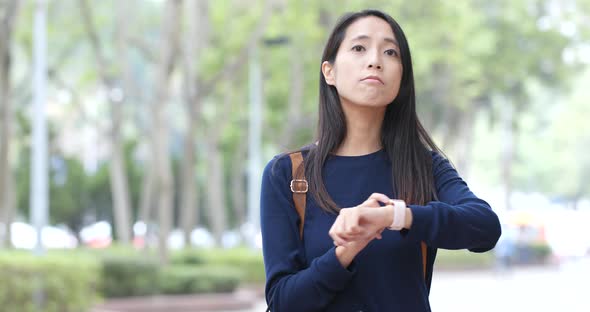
[
  {"x": 204, "y": 74},
  {"x": 195, "y": 39},
  {"x": 164, "y": 181},
  {"x": 181, "y": 75},
  {"x": 113, "y": 75},
  {"x": 8, "y": 14},
  {"x": 556, "y": 135}
]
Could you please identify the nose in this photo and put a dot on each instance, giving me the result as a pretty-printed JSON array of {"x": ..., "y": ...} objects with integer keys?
[
  {"x": 378, "y": 66},
  {"x": 375, "y": 61}
]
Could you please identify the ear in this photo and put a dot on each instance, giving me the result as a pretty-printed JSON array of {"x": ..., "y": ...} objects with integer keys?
[{"x": 328, "y": 71}]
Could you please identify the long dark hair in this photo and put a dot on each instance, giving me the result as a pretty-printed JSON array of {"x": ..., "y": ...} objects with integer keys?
[{"x": 403, "y": 137}]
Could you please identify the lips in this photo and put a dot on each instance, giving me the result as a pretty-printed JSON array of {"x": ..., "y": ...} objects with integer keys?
[{"x": 372, "y": 78}]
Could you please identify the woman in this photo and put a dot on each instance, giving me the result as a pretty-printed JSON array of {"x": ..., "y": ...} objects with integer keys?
[{"x": 383, "y": 198}]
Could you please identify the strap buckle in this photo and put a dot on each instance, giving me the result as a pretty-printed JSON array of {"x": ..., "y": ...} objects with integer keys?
[{"x": 301, "y": 183}]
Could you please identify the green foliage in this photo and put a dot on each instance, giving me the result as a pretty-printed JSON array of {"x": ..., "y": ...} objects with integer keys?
[
  {"x": 463, "y": 259},
  {"x": 189, "y": 257},
  {"x": 541, "y": 251},
  {"x": 128, "y": 272},
  {"x": 248, "y": 262},
  {"x": 186, "y": 279},
  {"x": 129, "y": 276},
  {"x": 68, "y": 284},
  {"x": 75, "y": 192},
  {"x": 465, "y": 54},
  {"x": 554, "y": 140}
]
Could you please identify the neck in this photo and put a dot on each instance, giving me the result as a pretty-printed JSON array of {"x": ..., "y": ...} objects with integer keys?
[{"x": 363, "y": 130}]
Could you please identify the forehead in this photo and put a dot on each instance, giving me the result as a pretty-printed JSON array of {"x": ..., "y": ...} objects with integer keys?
[{"x": 369, "y": 26}]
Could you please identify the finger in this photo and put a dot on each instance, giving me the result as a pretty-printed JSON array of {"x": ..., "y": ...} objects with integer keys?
[
  {"x": 337, "y": 232},
  {"x": 371, "y": 202},
  {"x": 351, "y": 222},
  {"x": 340, "y": 238},
  {"x": 380, "y": 198},
  {"x": 336, "y": 237},
  {"x": 339, "y": 242}
]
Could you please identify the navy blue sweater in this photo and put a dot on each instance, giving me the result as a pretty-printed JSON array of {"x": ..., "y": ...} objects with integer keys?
[{"x": 387, "y": 275}]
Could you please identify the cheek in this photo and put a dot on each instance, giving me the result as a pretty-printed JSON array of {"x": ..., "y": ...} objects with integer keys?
[{"x": 344, "y": 71}]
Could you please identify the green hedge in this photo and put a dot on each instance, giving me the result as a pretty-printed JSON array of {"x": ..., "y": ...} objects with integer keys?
[
  {"x": 75, "y": 280},
  {"x": 463, "y": 259},
  {"x": 248, "y": 261},
  {"x": 188, "y": 279},
  {"x": 66, "y": 283},
  {"x": 125, "y": 276},
  {"x": 134, "y": 276}
]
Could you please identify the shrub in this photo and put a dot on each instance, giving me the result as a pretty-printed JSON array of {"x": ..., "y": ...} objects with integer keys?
[
  {"x": 189, "y": 257},
  {"x": 129, "y": 276},
  {"x": 247, "y": 260},
  {"x": 66, "y": 283},
  {"x": 463, "y": 259},
  {"x": 179, "y": 279}
]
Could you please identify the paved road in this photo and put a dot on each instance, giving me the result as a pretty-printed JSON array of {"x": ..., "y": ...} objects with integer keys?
[
  {"x": 560, "y": 288},
  {"x": 539, "y": 289}
]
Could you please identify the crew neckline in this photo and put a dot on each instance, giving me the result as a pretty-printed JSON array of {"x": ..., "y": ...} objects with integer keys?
[{"x": 358, "y": 157}]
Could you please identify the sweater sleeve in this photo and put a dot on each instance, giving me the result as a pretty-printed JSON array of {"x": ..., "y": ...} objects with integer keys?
[
  {"x": 291, "y": 285},
  {"x": 459, "y": 219}
]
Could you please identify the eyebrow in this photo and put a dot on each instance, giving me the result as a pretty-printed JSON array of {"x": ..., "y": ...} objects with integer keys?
[{"x": 388, "y": 39}]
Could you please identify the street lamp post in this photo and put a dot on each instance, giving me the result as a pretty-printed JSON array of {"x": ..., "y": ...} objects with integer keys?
[{"x": 39, "y": 190}]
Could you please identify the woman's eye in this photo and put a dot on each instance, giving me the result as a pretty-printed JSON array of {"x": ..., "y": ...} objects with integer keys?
[
  {"x": 358, "y": 48},
  {"x": 391, "y": 52}
]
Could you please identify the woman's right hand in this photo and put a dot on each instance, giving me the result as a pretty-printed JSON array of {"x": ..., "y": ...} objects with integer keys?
[
  {"x": 347, "y": 253},
  {"x": 364, "y": 222},
  {"x": 350, "y": 237}
]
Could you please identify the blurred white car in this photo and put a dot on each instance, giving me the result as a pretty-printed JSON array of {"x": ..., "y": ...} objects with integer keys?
[
  {"x": 24, "y": 236},
  {"x": 97, "y": 235}
]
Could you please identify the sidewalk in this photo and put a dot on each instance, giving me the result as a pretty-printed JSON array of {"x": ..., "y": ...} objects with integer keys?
[{"x": 244, "y": 299}]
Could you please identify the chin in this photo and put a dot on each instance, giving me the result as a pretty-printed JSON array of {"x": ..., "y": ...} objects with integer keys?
[{"x": 374, "y": 102}]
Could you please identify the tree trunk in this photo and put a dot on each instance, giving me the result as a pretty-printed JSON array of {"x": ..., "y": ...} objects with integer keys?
[
  {"x": 10, "y": 208},
  {"x": 8, "y": 12},
  {"x": 118, "y": 178},
  {"x": 215, "y": 196},
  {"x": 195, "y": 41},
  {"x": 238, "y": 183},
  {"x": 146, "y": 199},
  {"x": 164, "y": 182},
  {"x": 189, "y": 189},
  {"x": 216, "y": 203},
  {"x": 117, "y": 168}
]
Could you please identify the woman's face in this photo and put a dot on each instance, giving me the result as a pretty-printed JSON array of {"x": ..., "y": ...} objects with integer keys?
[{"x": 367, "y": 70}]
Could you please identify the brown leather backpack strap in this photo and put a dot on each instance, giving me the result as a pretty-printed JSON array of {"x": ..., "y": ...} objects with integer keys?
[
  {"x": 299, "y": 187},
  {"x": 424, "y": 257}
]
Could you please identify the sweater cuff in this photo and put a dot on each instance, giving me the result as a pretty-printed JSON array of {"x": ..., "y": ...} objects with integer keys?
[
  {"x": 332, "y": 273},
  {"x": 421, "y": 223}
]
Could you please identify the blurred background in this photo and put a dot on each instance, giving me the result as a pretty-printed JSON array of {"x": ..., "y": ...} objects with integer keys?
[{"x": 133, "y": 135}]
